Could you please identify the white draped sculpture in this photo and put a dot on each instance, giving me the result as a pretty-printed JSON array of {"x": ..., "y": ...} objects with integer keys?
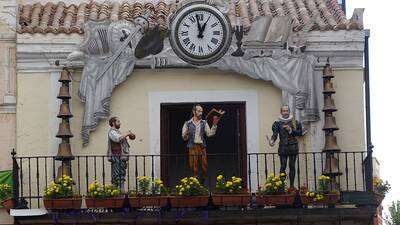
[{"x": 294, "y": 74}]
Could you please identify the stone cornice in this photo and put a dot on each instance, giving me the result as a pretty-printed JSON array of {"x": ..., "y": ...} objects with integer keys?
[
  {"x": 8, "y": 37},
  {"x": 8, "y": 108},
  {"x": 38, "y": 53}
]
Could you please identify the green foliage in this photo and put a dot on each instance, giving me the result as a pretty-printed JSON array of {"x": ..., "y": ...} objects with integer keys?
[
  {"x": 190, "y": 187},
  {"x": 147, "y": 187},
  {"x": 225, "y": 186},
  {"x": 394, "y": 211},
  {"x": 274, "y": 185},
  {"x": 381, "y": 187},
  {"x": 97, "y": 190},
  {"x": 60, "y": 188},
  {"x": 5, "y": 192}
]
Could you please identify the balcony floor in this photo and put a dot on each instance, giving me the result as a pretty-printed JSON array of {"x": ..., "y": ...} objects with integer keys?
[{"x": 272, "y": 216}]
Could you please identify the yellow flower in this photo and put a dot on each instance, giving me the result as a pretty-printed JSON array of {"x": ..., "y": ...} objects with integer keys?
[
  {"x": 158, "y": 182},
  {"x": 91, "y": 187},
  {"x": 283, "y": 174},
  {"x": 229, "y": 183},
  {"x": 268, "y": 185},
  {"x": 220, "y": 177},
  {"x": 184, "y": 180}
]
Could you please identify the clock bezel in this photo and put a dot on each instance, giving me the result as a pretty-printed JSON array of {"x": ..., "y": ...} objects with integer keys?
[{"x": 179, "y": 49}]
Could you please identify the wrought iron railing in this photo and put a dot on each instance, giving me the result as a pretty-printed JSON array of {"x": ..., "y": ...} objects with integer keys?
[{"x": 32, "y": 174}]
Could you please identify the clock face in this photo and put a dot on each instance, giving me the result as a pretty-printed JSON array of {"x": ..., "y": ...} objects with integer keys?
[{"x": 200, "y": 34}]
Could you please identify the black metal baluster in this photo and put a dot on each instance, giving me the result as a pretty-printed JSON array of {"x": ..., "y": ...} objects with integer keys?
[
  {"x": 152, "y": 172},
  {"x": 362, "y": 171},
  {"x": 95, "y": 167},
  {"x": 45, "y": 171},
  {"x": 322, "y": 162},
  {"x": 54, "y": 169},
  {"x": 144, "y": 165},
  {"x": 266, "y": 165},
  {"x": 128, "y": 174},
  {"x": 298, "y": 171},
  {"x": 30, "y": 183},
  {"x": 273, "y": 162},
  {"x": 21, "y": 178},
  {"x": 355, "y": 171},
  {"x": 338, "y": 158},
  {"x": 103, "y": 174},
  {"x": 136, "y": 173},
  {"x": 258, "y": 173},
  {"x": 87, "y": 174},
  {"x": 249, "y": 172},
  {"x": 306, "y": 161},
  {"x": 79, "y": 175},
  {"x": 315, "y": 171},
  {"x": 37, "y": 181},
  {"x": 347, "y": 172},
  {"x": 16, "y": 183}
]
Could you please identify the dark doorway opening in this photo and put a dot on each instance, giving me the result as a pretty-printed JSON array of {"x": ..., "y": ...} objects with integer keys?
[{"x": 226, "y": 151}]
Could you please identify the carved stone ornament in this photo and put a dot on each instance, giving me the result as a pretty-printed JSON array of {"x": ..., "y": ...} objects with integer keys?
[{"x": 101, "y": 54}]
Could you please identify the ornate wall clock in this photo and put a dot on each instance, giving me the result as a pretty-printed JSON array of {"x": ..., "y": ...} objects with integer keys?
[{"x": 200, "y": 33}]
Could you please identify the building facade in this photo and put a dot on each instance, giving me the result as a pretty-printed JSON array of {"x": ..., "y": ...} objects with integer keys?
[{"x": 42, "y": 39}]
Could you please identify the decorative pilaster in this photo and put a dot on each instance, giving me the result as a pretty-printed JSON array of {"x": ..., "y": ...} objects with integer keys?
[
  {"x": 64, "y": 133},
  {"x": 331, "y": 162}
]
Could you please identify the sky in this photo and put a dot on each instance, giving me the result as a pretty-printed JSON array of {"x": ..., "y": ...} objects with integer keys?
[{"x": 380, "y": 17}]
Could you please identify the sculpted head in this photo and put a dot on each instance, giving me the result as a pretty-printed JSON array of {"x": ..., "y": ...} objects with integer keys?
[
  {"x": 285, "y": 111},
  {"x": 197, "y": 111},
  {"x": 114, "y": 122}
]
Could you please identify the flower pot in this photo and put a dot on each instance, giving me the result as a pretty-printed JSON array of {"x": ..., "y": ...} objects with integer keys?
[
  {"x": 117, "y": 202},
  {"x": 378, "y": 198},
  {"x": 188, "y": 201},
  {"x": 151, "y": 201},
  {"x": 8, "y": 204},
  {"x": 275, "y": 200},
  {"x": 231, "y": 200},
  {"x": 329, "y": 199},
  {"x": 63, "y": 203}
]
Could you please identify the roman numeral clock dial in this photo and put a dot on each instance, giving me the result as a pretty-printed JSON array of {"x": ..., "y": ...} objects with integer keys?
[{"x": 200, "y": 34}]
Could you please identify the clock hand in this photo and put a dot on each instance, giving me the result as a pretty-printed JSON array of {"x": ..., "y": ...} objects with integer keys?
[
  {"x": 198, "y": 25},
  {"x": 204, "y": 26}
]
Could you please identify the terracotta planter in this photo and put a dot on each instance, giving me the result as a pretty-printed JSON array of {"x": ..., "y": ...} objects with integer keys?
[
  {"x": 188, "y": 201},
  {"x": 329, "y": 199},
  {"x": 67, "y": 203},
  {"x": 8, "y": 204},
  {"x": 378, "y": 198},
  {"x": 156, "y": 201},
  {"x": 231, "y": 200},
  {"x": 117, "y": 202},
  {"x": 275, "y": 200}
]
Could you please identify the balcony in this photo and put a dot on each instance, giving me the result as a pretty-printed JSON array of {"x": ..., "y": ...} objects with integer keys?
[{"x": 34, "y": 173}]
